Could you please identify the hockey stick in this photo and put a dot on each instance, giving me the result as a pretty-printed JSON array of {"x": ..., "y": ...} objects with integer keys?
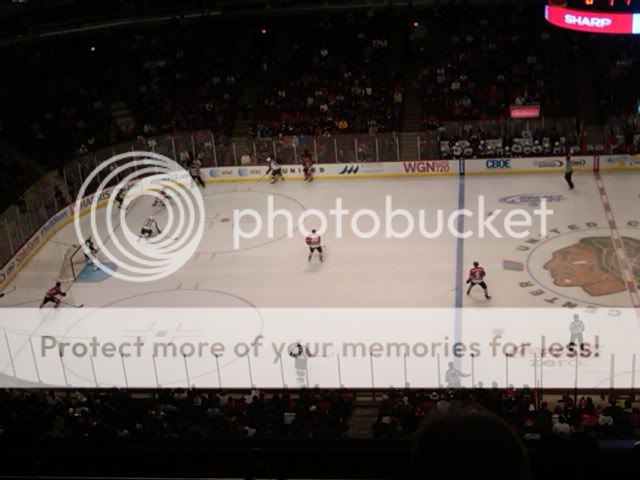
[
  {"x": 72, "y": 304},
  {"x": 260, "y": 179},
  {"x": 8, "y": 292}
]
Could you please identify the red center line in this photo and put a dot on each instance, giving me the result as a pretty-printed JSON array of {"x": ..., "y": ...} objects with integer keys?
[{"x": 618, "y": 244}]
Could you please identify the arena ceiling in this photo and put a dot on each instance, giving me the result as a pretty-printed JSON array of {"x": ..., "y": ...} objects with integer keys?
[{"x": 22, "y": 19}]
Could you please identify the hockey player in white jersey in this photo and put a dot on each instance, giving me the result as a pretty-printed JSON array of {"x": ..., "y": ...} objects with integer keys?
[
  {"x": 314, "y": 241},
  {"x": 275, "y": 170},
  {"x": 120, "y": 197},
  {"x": 150, "y": 228},
  {"x": 90, "y": 252}
]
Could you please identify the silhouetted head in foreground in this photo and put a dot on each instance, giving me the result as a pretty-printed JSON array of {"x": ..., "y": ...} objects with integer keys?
[{"x": 469, "y": 443}]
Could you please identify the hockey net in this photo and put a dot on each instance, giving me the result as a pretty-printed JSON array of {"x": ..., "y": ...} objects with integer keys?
[{"x": 73, "y": 263}]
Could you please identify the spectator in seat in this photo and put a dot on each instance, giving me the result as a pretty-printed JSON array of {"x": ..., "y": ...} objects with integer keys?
[
  {"x": 561, "y": 428},
  {"x": 245, "y": 159},
  {"x": 482, "y": 443},
  {"x": 184, "y": 157}
]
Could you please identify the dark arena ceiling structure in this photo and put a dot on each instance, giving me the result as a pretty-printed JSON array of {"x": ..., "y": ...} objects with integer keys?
[{"x": 30, "y": 19}]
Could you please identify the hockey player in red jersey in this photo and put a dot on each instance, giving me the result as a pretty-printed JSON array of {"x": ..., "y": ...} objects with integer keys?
[
  {"x": 314, "y": 242},
  {"x": 476, "y": 277},
  {"x": 307, "y": 166},
  {"x": 52, "y": 295}
]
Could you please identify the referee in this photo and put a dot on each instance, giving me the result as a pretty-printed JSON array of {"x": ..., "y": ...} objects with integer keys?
[
  {"x": 301, "y": 354},
  {"x": 576, "y": 328},
  {"x": 194, "y": 171},
  {"x": 568, "y": 172}
]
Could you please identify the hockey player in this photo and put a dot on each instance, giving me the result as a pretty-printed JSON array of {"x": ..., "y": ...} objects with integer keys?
[
  {"x": 568, "y": 172},
  {"x": 120, "y": 197},
  {"x": 162, "y": 199},
  {"x": 314, "y": 242},
  {"x": 307, "y": 166},
  {"x": 453, "y": 376},
  {"x": 149, "y": 228},
  {"x": 476, "y": 277},
  {"x": 194, "y": 171},
  {"x": 90, "y": 252},
  {"x": 53, "y": 295},
  {"x": 275, "y": 170},
  {"x": 577, "y": 329},
  {"x": 301, "y": 354}
]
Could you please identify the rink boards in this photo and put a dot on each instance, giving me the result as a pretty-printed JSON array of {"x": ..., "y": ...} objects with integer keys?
[{"x": 325, "y": 348}]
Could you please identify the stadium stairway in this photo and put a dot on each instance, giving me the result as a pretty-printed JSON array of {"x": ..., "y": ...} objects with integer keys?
[
  {"x": 248, "y": 94},
  {"x": 241, "y": 137},
  {"x": 364, "y": 415},
  {"x": 586, "y": 99},
  {"x": 411, "y": 119},
  {"x": 121, "y": 114},
  {"x": 589, "y": 114},
  {"x": 241, "y": 128}
]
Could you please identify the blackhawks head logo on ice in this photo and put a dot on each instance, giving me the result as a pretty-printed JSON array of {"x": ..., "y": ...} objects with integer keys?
[
  {"x": 579, "y": 265},
  {"x": 593, "y": 265}
]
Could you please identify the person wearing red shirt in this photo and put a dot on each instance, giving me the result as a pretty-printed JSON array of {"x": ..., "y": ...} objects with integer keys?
[
  {"x": 314, "y": 241},
  {"x": 307, "y": 166},
  {"x": 53, "y": 295},
  {"x": 476, "y": 277}
]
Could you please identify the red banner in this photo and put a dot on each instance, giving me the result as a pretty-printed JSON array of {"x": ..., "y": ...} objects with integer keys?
[
  {"x": 524, "y": 111},
  {"x": 589, "y": 21}
]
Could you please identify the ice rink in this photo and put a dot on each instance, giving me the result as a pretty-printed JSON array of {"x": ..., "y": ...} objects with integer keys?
[
  {"x": 590, "y": 258},
  {"x": 576, "y": 264}
]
